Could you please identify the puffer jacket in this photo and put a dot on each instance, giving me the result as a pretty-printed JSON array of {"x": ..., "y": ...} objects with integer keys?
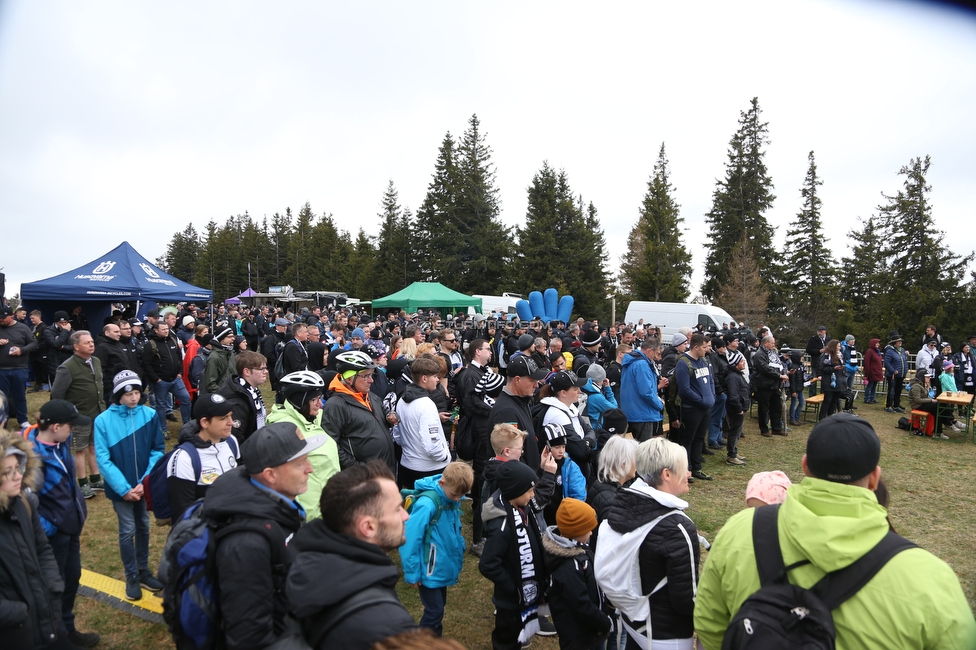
[
  {"x": 670, "y": 550},
  {"x": 128, "y": 443},
  {"x": 30, "y": 583},
  {"x": 446, "y": 541},
  {"x": 914, "y": 602},
  {"x": 573, "y": 596},
  {"x": 61, "y": 505},
  {"x": 895, "y": 361},
  {"x": 325, "y": 459},
  {"x": 360, "y": 431},
  {"x": 348, "y": 566},
  {"x": 638, "y": 389},
  {"x": 252, "y": 599}
]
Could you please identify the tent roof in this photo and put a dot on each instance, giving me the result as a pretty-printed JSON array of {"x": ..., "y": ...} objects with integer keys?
[
  {"x": 426, "y": 294},
  {"x": 247, "y": 293},
  {"x": 120, "y": 274}
]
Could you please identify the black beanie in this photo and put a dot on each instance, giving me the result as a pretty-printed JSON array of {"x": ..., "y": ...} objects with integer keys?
[{"x": 514, "y": 478}]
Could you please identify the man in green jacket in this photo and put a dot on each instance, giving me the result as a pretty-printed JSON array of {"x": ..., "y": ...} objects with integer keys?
[
  {"x": 79, "y": 381},
  {"x": 833, "y": 518}
]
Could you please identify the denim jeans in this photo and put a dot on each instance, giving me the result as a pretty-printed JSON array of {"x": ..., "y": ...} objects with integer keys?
[
  {"x": 796, "y": 406},
  {"x": 133, "y": 536},
  {"x": 162, "y": 390},
  {"x": 718, "y": 414},
  {"x": 67, "y": 553},
  {"x": 434, "y": 600},
  {"x": 871, "y": 392},
  {"x": 13, "y": 384}
]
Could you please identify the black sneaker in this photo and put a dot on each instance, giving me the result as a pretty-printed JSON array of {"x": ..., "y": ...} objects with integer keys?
[
  {"x": 83, "y": 639},
  {"x": 716, "y": 446},
  {"x": 708, "y": 452},
  {"x": 133, "y": 590},
  {"x": 147, "y": 580},
  {"x": 700, "y": 475},
  {"x": 546, "y": 628},
  {"x": 171, "y": 417}
]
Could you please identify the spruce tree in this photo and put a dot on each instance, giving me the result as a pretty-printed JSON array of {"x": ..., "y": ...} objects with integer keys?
[
  {"x": 181, "y": 254},
  {"x": 739, "y": 204},
  {"x": 486, "y": 243},
  {"x": 863, "y": 273},
  {"x": 811, "y": 272},
  {"x": 393, "y": 245},
  {"x": 437, "y": 236},
  {"x": 657, "y": 266},
  {"x": 923, "y": 274},
  {"x": 280, "y": 235},
  {"x": 299, "y": 247}
]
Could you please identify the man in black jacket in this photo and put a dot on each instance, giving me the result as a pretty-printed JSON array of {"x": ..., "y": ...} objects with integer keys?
[
  {"x": 164, "y": 365},
  {"x": 111, "y": 353},
  {"x": 513, "y": 404},
  {"x": 815, "y": 347},
  {"x": 250, "y": 572},
  {"x": 769, "y": 377},
  {"x": 56, "y": 342},
  {"x": 243, "y": 393},
  {"x": 347, "y": 549}
]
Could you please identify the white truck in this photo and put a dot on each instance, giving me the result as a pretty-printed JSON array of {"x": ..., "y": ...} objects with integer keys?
[{"x": 670, "y": 316}]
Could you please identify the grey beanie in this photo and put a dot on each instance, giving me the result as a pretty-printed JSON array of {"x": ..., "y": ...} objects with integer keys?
[{"x": 596, "y": 373}]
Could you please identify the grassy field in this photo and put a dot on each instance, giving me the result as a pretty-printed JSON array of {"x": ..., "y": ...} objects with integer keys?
[{"x": 933, "y": 503}]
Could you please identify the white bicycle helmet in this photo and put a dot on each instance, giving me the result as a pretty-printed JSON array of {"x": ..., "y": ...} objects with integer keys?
[
  {"x": 354, "y": 360},
  {"x": 297, "y": 387}
]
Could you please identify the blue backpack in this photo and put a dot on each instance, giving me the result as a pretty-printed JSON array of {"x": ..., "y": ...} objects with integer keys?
[
  {"x": 188, "y": 571},
  {"x": 155, "y": 489}
]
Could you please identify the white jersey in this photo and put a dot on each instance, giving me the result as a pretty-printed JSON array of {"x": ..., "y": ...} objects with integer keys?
[{"x": 214, "y": 461}]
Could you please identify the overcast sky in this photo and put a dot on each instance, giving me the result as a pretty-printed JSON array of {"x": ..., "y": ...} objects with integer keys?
[{"x": 129, "y": 120}]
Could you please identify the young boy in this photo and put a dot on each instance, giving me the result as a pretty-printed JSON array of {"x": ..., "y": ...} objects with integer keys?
[
  {"x": 128, "y": 443},
  {"x": 573, "y": 596},
  {"x": 62, "y": 509},
  {"x": 208, "y": 435},
  {"x": 570, "y": 482},
  {"x": 434, "y": 567},
  {"x": 513, "y": 558},
  {"x": 736, "y": 407},
  {"x": 508, "y": 442}
]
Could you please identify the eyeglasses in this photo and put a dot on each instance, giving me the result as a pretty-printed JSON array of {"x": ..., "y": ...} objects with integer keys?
[
  {"x": 449, "y": 340},
  {"x": 261, "y": 369},
  {"x": 366, "y": 376},
  {"x": 8, "y": 473}
]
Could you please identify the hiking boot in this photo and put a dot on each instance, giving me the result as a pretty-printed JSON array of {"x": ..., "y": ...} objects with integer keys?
[
  {"x": 700, "y": 475},
  {"x": 147, "y": 580},
  {"x": 87, "y": 491},
  {"x": 715, "y": 445},
  {"x": 83, "y": 639},
  {"x": 708, "y": 452},
  {"x": 546, "y": 628},
  {"x": 779, "y": 432},
  {"x": 765, "y": 434},
  {"x": 741, "y": 457},
  {"x": 734, "y": 461},
  {"x": 171, "y": 416},
  {"x": 690, "y": 480},
  {"x": 133, "y": 591},
  {"x": 98, "y": 486},
  {"x": 476, "y": 549}
]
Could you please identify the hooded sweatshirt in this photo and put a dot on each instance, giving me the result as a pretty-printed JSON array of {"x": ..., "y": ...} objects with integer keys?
[
  {"x": 347, "y": 565},
  {"x": 914, "y": 602},
  {"x": 419, "y": 432}
]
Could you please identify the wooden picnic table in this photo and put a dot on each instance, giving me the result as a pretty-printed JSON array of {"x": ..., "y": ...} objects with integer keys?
[{"x": 957, "y": 399}]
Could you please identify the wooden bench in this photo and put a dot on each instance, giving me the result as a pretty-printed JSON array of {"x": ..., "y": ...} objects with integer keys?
[
  {"x": 924, "y": 422},
  {"x": 817, "y": 401}
]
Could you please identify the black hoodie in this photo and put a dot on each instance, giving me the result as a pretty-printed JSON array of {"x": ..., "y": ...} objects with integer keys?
[
  {"x": 252, "y": 599},
  {"x": 345, "y": 565}
]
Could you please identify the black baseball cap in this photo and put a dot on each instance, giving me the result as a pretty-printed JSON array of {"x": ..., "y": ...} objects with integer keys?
[
  {"x": 211, "y": 405},
  {"x": 523, "y": 366},
  {"x": 5, "y": 311},
  {"x": 843, "y": 448},
  {"x": 566, "y": 379},
  {"x": 276, "y": 444},
  {"x": 59, "y": 411}
]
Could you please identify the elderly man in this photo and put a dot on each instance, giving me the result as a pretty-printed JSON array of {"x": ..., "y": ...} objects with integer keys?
[
  {"x": 767, "y": 366},
  {"x": 16, "y": 344},
  {"x": 79, "y": 381},
  {"x": 828, "y": 523}
]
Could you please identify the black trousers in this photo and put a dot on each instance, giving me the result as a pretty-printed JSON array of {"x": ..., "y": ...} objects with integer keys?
[
  {"x": 645, "y": 430},
  {"x": 895, "y": 385},
  {"x": 770, "y": 403},
  {"x": 694, "y": 429}
]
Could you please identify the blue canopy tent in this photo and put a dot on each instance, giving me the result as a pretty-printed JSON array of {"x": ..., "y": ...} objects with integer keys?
[{"x": 121, "y": 275}]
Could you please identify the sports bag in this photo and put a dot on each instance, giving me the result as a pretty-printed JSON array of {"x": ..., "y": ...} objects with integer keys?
[
  {"x": 784, "y": 615},
  {"x": 155, "y": 489},
  {"x": 188, "y": 571}
]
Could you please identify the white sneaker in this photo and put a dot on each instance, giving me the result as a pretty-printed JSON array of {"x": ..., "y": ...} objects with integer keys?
[
  {"x": 941, "y": 436},
  {"x": 958, "y": 426}
]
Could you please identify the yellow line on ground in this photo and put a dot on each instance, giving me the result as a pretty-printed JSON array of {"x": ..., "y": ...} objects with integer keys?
[{"x": 116, "y": 589}]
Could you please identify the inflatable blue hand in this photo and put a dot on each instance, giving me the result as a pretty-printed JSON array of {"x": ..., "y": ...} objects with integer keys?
[{"x": 548, "y": 306}]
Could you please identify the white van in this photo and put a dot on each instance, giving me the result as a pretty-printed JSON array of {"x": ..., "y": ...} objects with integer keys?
[
  {"x": 502, "y": 305},
  {"x": 671, "y": 316}
]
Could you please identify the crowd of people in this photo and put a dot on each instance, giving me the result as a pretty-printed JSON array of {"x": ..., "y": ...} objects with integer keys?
[{"x": 575, "y": 443}]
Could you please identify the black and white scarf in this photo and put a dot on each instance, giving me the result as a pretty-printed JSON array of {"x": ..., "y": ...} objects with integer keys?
[{"x": 530, "y": 595}]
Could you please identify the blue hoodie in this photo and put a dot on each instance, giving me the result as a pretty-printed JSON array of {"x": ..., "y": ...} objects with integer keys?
[
  {"x": 598, "y": 401},
  {"x": 128, "y": 443},
  {"x": 638, "y": 389},
  {"x": 446, "y": 541},
  {"x": 696, "y": 385}
]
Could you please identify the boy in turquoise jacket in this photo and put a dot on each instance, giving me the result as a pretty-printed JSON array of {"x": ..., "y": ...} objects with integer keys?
[{"x": 433, "y": 554}]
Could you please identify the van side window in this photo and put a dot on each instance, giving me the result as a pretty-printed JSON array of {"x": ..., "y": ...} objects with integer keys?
[{"x": 707, "y": 322}]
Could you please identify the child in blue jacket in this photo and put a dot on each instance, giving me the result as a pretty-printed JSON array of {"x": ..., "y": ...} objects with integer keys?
[
  {"x": 570, "y": 482},
  {"x": 434, "y": 567},
  {"x": 128, "y": 443}
]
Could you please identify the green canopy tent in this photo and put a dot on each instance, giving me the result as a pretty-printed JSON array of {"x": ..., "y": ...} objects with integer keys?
[{"x": 420, "y": 295}]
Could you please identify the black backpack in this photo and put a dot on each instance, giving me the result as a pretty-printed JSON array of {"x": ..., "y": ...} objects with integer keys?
[{"x": 783, "y": 615}]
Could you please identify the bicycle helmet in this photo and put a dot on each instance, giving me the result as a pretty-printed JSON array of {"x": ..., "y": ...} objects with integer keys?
[
  {"x": 298, "y": 387},
  {"x": 355, "y": 360}
]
